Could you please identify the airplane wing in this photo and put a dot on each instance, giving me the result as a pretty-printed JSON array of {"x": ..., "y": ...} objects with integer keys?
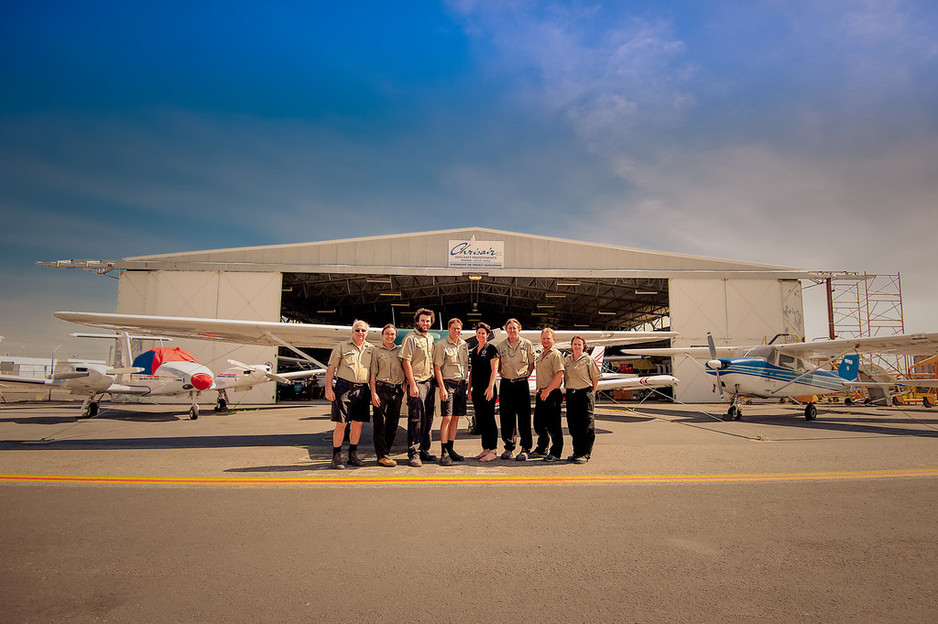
[
  {"x": 903, "y": 344},
  {"x": 221, "y": 330},
  {"x": 297, "y": 334},
  {"x": 595, "y": 338},
  {"x": 28, "y": 380},
  {"x": 700, "y": 353}
]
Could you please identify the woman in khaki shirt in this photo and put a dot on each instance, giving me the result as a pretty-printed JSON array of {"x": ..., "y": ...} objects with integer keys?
[{"x": 580, "y": 378}]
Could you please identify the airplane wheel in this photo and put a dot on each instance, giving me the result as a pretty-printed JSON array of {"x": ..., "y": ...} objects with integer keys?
[
  {"x": 926, "y": 402},
  {"x": 810, "y": 411},
  {"x": 222, "y": 406},
  {"x": 194, "y": 412},
  {"x": 895, "y": 401},
  {"x": 92, "y": 410},
  {"x": 848, "y": 401},
  {"x": 733, "y": 413}
]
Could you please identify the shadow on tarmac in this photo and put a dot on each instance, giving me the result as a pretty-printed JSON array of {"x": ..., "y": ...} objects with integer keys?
[{"x": 855, "y": 421}]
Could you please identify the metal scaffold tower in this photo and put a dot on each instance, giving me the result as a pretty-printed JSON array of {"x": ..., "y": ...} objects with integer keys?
[{"x": 868, "y": 305}]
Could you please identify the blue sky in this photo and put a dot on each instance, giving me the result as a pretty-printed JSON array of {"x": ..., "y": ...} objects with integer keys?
[{"x": 784, "y": 132}]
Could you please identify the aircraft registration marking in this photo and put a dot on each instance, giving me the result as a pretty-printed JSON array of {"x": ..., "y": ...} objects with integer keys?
[{"x": 473, "y": 479}]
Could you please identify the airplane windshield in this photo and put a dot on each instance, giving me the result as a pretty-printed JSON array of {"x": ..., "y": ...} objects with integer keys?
[{"x": 762, "y": 351}]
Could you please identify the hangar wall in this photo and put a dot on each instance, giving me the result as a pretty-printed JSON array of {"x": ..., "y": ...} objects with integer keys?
[
  {"x": 213, "y": 294},
  {"x": 735, "y": 312}
]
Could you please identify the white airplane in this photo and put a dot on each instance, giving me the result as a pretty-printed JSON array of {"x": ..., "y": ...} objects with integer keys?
[
  {"x": 781, "y": 370},
  {"x": 163, "y": 371}
]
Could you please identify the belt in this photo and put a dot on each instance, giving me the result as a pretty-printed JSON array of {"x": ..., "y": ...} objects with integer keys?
[
  {"x": 586, "y": 389},
  {"x": 387, "y": 384},
  {"x": 515, "y": 380},
  {"x": 351, "y": 383}
]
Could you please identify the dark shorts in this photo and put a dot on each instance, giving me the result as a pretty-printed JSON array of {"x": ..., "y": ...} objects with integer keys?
[
  {"x": 455, "y": 405},
  {"x": 352, "y": 402}
]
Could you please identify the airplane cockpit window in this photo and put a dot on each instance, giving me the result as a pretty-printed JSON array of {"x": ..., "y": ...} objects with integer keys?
[
  {"x": 786, "y": 360},
  {"x": 762, "y": 351}
]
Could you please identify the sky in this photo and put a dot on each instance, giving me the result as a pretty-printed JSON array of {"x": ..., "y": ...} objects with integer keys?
[{"x": 786, "y": 132}]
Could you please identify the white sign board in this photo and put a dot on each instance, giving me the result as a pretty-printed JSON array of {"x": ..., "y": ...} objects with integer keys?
[{"x": 476, "y": 254}]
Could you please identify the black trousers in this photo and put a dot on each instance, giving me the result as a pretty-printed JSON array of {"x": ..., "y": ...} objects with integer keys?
[
  {"x": 420, "y": 416},
  {"x": 515, "y": 408},
  {"x": 548, "y": 424},
  {"x": 387, "y": 417},
  {"x": 485, "y": 417},
  {"x": 580, "y": 421}
]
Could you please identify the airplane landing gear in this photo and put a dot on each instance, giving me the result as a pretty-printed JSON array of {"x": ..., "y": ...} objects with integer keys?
[
  {"x": 89, "y": 408},
  {"x": 810, "y": 411},
  {"x": 734, "y": 412},
  {"x": 222, "y": 405},
  {"x": 194, "y": 412}
]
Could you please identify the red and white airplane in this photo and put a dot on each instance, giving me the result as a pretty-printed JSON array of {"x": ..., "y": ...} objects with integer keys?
[{"x": 163, "y": 371}]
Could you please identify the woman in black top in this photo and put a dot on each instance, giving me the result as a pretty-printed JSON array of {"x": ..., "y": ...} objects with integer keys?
[{"x": 483, "y": 362}]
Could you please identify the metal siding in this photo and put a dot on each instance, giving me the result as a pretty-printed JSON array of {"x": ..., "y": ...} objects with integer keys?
[
  {"x": 235, "y": 295},
  {"x": 736, "y": 312}
]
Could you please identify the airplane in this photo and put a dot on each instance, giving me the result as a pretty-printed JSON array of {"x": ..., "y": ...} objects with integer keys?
[
  {"x": 162, "y": 371},
  {"x": 780, "y": 370}
]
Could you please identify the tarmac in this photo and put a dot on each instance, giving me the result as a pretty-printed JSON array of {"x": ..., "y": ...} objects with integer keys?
[{"x": 142, "y": 515}]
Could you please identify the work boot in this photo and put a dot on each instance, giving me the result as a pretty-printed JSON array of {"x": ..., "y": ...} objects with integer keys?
[
  {"x": 445, "y": 459},
  {"x": 353, "y": 459},
  {"x": 337, "y": 461},
  {"x": 456, "y": 457}
]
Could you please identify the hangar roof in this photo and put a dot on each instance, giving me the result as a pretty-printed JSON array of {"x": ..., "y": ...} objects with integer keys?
[
  {"x": 473, "y": 273},
  {"x": 432, "y": 253}
]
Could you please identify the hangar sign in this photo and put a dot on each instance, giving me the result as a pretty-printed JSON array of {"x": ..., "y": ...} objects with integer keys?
[{"x": 473, "y": 253}]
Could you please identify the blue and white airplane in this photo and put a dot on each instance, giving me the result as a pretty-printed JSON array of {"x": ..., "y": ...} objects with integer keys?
[{"x": 782, "y": 370}]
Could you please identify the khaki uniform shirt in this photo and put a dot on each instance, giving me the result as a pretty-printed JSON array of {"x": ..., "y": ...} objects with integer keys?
[
  {"x": 418, "y": 350},
  {"x": 514, "y": 361},
  {"x": 579, "y": 374},
  {"x": 452, "y": 358},
  {"x": 351, "y": 362},
  {"x": 548, "y": 364},
  {"x": 386, "y": 364}
]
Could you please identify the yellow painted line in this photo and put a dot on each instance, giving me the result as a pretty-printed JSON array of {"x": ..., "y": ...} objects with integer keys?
[{"x": 474, "y": 480}]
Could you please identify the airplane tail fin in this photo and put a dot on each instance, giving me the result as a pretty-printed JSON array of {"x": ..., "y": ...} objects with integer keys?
[
  {"x": 599, "y": 354},
  {"x": 849, "y": 367}
]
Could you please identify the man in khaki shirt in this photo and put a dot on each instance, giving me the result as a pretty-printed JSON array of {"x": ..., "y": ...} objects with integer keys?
[
  {"x": 417, "y": 362},
  {"x": 515, "y": 363},
  {"x": 451, "y": 369},
  {"x": 548, "y": 399},
  {"x": 387, "y": 392},
  {"x": 350, "y": 366}
]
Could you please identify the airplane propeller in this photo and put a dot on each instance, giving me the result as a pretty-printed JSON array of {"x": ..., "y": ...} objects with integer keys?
[
  {"x": 260, "y": 368},
  {"x": 714, "y": 363}
]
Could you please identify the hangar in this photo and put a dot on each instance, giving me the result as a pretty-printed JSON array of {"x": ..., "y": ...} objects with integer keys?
[{"x": 475, "y": 274}]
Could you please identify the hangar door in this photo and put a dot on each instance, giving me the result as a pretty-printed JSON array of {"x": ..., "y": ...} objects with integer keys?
[
  {"x": 736, "y": 312},
  {"x": 212, "y": 294}
]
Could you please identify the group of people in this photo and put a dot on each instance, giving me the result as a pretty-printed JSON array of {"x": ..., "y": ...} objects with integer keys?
[{"x": 365, "y": 380}]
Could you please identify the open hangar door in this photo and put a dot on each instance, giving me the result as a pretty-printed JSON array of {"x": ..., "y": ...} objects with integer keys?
[
  {"x": 736, "y": 312},
  {"x": 563, "y": 303}
]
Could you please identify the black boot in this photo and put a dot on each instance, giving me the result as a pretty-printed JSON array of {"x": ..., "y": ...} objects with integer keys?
[
  {"x": 337, "y": 459},
  {"x": 456, "y": 457},
  {"x": 353, "y": 459}
]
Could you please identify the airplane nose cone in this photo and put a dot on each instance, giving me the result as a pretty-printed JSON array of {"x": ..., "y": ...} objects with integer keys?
[{"x": 201, "y": 381}]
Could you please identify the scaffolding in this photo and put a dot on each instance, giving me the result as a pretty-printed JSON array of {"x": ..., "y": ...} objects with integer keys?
[{"x": 868, "y": 305}]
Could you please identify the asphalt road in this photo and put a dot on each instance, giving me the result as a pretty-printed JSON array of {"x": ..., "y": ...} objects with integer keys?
[{"x": 145, "y": 516}]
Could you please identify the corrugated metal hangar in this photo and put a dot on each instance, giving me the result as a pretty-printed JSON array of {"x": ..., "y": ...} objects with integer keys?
[{"x": 475, "y": 274}]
